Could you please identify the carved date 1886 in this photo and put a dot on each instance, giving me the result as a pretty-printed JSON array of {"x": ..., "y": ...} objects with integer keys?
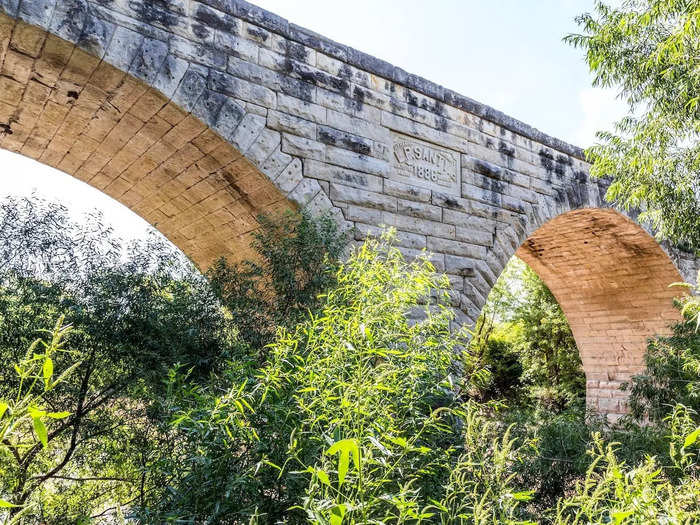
[{"x": 424, "y": 164}]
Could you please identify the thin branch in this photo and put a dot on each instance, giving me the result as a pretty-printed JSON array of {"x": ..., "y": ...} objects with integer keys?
[{"x": 71, "y": 478}]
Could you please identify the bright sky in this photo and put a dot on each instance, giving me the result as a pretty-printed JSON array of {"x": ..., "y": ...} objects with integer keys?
[{"x": 505, "y": 53}]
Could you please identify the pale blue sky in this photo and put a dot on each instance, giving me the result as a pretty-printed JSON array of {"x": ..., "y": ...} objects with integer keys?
[{"x": 505, "y": 53}]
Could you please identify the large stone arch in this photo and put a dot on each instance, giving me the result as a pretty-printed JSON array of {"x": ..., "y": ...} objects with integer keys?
[
  {"x": 200, "y": 114},
  {"x": 144, "y": 127}
]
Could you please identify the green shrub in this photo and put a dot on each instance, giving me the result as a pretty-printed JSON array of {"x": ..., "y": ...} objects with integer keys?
[
  {"x": 297, "y": 258},
  {"x": 672, "y": 373},
  {"x": 355, "y": 417},
  {"x": 613, "y": 492}
]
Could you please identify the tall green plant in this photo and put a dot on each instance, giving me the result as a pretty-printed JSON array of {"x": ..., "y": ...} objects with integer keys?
[
  {"x": 613, "y": 492},
  {"x": 27, "y": 424},
  {"x": 355, "y": 417}
]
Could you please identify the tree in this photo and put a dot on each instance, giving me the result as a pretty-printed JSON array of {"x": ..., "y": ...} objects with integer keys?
[
  {"x": 137, "y": 312},
  {"x": 134, "y": 312},
  {"x": 524, "y": 339},
  {"x": 650, "y": 51},
  {"x": 552, "y": 369},
  {"x": 297, "y": 259}
]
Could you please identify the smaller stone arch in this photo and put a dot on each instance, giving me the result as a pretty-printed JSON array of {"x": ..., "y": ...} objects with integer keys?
[{"x": 611, "y": 279}]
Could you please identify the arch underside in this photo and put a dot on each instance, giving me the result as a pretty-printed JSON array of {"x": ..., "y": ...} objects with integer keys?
[
  {"x": 611, "y": 279},
  {"x": 72, "y": 111}
]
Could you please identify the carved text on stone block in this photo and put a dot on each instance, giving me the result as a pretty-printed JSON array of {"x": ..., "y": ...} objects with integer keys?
[{"x": 423, "y": 164}]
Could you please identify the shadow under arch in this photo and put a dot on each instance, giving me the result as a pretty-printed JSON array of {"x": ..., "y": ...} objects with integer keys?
[
  {"x": 611, "y": 279},
  {"x": 74, "y": 111}
]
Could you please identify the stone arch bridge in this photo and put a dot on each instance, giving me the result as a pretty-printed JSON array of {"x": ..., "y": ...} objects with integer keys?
[{"x": 199, "y": 115}]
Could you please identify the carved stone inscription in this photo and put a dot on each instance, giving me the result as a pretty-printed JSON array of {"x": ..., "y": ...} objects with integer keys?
[{"x": 423, "y": 164}]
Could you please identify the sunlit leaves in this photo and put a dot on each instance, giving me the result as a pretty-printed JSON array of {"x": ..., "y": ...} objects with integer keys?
[
  {"x": 337, "y": 514},
  {"x": 344, "y": 449},
  {"x": 650, "y": 51},
  {"x": 691, "y": 438},
  {"x": 23, "y": 416},
  {"x": 40, "y": 430},
  {"x": 613, "y": 492},
  {"x": 48, "y": 371}
]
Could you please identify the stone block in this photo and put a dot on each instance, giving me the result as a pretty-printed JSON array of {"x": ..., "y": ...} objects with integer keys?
[
  {"x": 208, "y": 107},
  {"x": 367, "y": 199},
  {"x": 96, "y": 35},
  {"x": 263, "y": 147},
  {"x": 247, "y": 132},
  {"x": 452, "y": 247},
  {"x": 247, "y": 70},
  {"x": 301, "y": 147},
  {"x": 346, "y": 177},
  {"x": 235, "y": 46},
  {"x": 420, "y": 209},
  {"x": 418, "y": 225},
  {"x": 361, "y": 214},
  {"x": 475, "y": 236},
  {"x": 241, "y": 89},
  {"x": 36, "y": 12},
  {"x": 406, "y": 191},
  {"x": 462, "y": 266},
  {"x": 275, "y": 163},
  {"x": 290, "y": 177},
  {"x": 320, "y": 205},
  {"x": 123, "y": 48},
  {"x": 304, "y": 192},
  {"x": 191, "y": 87},
  {"x": 301, "y": 108},
  {"x": 230, "y": 116},
  {"x": 355, "y": 161},
  {"x": 148, "y": 60},
  {"x": 291, "y": 124},
  {"x": 198, "y": 53}
]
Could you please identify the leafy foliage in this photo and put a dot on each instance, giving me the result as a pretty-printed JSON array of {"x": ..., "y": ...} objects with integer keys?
[
  {"x": 25, "y": 422},
  {"x": 354, "y": 417},
  {"x": 297, "y": 259},
  {"x": 613, "y": 492},
  {"x": 358, "y": 417},
  {"x": 650, "y": 51},
  {"x": 133, "y": 316},
  {"x": 364, "y": 408},
  {"x": 524, "y": 339},
  {"x": 672, "y": 373}
]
